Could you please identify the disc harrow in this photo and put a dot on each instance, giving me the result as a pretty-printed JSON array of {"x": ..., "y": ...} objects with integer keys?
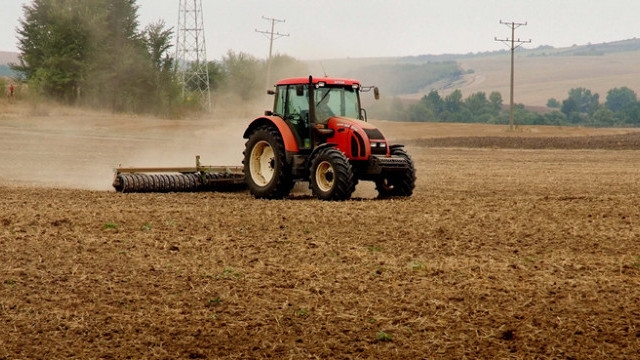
[{"x": 164, "y": 180}]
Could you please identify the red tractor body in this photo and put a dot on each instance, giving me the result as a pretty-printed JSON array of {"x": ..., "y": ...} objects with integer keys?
[{"x": 317, "y": 132}]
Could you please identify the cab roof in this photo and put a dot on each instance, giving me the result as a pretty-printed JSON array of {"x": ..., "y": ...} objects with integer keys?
[{"x": 315, "y": 80}]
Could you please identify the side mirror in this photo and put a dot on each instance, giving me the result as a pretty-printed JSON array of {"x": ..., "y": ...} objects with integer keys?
[
  {"x": 271, "y": 92},
  {"x": 376, "y": 93}
]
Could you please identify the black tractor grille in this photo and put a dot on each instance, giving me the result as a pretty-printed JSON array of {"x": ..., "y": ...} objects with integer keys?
[
  {"x": 392, "y": 163},
  {"x": 374, "y": 134}
]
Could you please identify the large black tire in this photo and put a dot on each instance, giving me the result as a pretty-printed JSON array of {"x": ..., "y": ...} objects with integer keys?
[
  {"x": 397, "y": 183},
  {"x": 331, "y": 175},
  {"x": 267, "y": 174}
]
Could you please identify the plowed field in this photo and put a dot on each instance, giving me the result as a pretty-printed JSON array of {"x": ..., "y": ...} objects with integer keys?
[{"x": 503, "y": 251}]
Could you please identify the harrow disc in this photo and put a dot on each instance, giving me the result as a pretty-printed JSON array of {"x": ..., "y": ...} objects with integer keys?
[
  {"x": 223, "y": 181},
  {"x": 141, "y": 183},
  {"x": 178, "y": 182}
]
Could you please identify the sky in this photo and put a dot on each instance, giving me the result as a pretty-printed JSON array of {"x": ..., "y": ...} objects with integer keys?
[{"x": 327, "y": 29}]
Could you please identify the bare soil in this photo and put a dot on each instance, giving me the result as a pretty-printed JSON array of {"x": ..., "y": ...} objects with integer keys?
[{"x": 502, "y": 252}]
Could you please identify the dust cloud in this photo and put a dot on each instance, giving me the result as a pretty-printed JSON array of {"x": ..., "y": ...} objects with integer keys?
[{"x": 61, "y": 147}]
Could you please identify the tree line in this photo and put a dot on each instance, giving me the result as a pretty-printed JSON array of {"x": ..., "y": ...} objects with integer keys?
[
  {"x": 581, "y": 107},
  {"x": 620, "y": 108},
  {"x": 95, "y": 53}
]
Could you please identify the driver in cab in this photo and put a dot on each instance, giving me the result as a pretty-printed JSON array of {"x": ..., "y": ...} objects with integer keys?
[{"x": 323, "y": 111}]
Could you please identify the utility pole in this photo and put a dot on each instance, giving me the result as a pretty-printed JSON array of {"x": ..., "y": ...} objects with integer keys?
[
  {"x": 514, "y": 44},
  {"x": 191, "y": 52},
  {"x": 272, "y": 35}
]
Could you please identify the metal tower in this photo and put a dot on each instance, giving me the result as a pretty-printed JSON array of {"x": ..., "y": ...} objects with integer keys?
[{"x": 191, "y": 52}]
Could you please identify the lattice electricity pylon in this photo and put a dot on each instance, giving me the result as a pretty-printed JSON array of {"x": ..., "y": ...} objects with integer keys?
[{"x": 191, "y": 52}]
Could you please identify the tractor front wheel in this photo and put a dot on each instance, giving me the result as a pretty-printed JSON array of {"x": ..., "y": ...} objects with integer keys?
[
  {"x": 331, "y": 175},
  {"x": 265, "y": 164}
]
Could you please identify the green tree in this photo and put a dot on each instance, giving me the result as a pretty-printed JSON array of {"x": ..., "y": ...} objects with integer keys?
[
  {"x": 217, "y": 75},
  {"x": 478, "y": 106},
  {"x": 453, "y": 101},
  {"x": 421, "y": 112},
  {"x": 157, "y": 38},
  {"x": 92, "y": 51},
  {"x": 630, "y": 114},
  {"x": 620, "y": 98},
  {"x": 123, "y": 71},
  {"x": 553, "y": 103},
  {"x": 496, "y": 101},
  {"x": 53, "y": 41},
  {"x": 580, "y": 100},
  {"x": 603, "y": 117},
  {"x": 570, "y": 106},
  {"x": 555, "y": 118},
  {"x": 524, "y": 117},
  {"x": 434, "y": 102},
  {"x": 242, "y": 73}
]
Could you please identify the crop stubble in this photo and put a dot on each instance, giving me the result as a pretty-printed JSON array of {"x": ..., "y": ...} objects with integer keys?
[{"x": 499, "y": 254}]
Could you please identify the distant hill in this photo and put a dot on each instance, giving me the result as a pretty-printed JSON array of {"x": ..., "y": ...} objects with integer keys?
[
  {"x": 545, "y": 72},
  {"x": 541, "y": 73},
  {"x": 630, "y": 45}
]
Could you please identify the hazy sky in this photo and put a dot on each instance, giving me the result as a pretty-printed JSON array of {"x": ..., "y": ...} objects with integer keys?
[{"x": 372, "y": 28}]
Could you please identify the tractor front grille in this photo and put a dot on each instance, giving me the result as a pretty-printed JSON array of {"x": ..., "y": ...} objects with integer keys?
[{"x": 374, "y": 134}]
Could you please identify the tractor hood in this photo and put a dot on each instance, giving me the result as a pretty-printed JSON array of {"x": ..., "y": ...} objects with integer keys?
[
  {"x": 338, "y": 122},
  {"x": 358, "y": 139}
]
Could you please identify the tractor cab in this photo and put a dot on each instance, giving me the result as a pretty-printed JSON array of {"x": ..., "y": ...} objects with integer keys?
[{"x": 306, "y": 105}]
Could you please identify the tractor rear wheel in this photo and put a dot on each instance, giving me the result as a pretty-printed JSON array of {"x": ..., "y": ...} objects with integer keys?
[
  {"x": 397, "y": 183},
  {"x": 265, "y": 164},
  {"x": 331, "y": 175}
]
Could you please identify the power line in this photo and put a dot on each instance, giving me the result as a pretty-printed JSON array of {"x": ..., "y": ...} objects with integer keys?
[
  {"x": 273, "y": 35},
  {"x": 514, "y": 44}
]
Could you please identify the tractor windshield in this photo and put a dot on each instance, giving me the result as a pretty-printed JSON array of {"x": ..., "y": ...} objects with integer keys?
[{"x": 336, "y": 101}]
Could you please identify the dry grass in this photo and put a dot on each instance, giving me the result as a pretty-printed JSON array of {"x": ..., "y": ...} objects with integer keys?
[{"x": 501, "y": 253}]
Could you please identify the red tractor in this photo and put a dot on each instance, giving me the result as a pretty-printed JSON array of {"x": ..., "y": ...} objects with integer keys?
[{"x": 317, "y": 132}]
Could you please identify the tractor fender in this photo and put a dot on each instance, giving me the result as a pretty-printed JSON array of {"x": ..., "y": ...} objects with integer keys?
[
  {"x": 315, "y": 151},
  {"x": 290, "y": 144}
]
